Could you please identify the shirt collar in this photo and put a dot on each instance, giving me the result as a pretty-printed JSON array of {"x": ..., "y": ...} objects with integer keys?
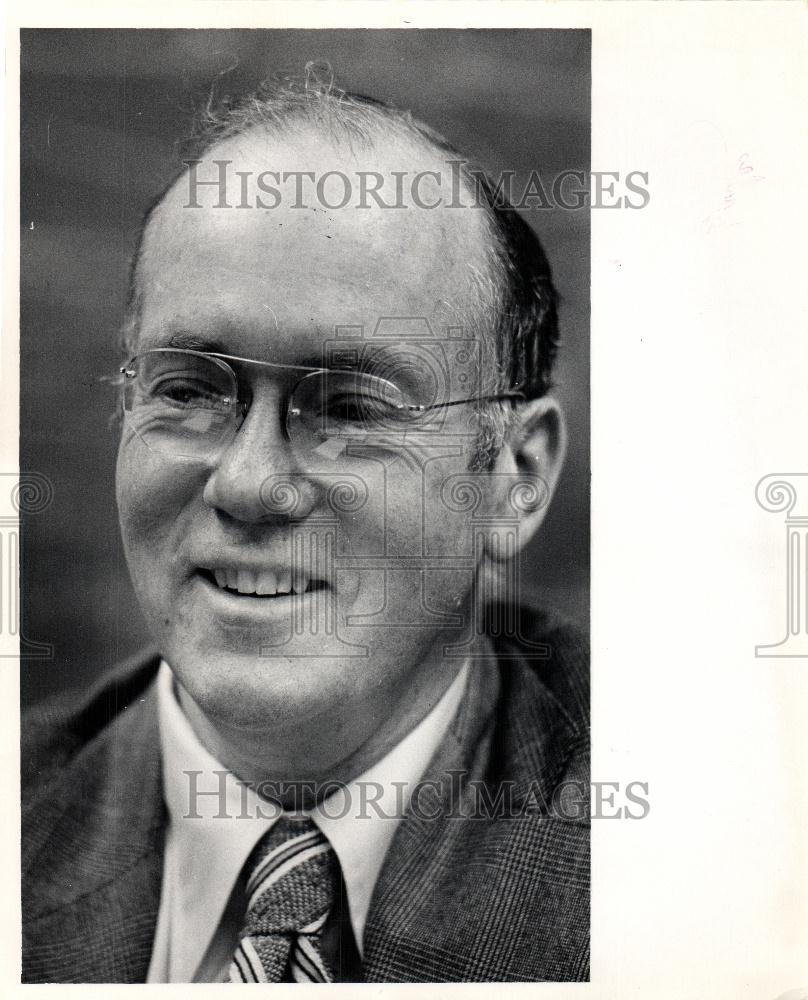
[{"x": 217, "y": 820}]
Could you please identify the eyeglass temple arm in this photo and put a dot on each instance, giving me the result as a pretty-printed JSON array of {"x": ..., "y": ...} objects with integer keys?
[{"x": 472, "y": 399}]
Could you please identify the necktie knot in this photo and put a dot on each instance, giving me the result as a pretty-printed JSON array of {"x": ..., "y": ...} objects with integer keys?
[
  {"x": 290, "y": 885},
  {"x": 292, "y": 882}
]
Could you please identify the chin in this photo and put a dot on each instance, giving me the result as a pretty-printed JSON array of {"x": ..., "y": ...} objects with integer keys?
[{"x": 247, "y": 692}]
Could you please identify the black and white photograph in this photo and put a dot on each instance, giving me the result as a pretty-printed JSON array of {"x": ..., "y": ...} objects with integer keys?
[
  {"x": 404, "y": 498},
  {"x": 315, "y": 426}
]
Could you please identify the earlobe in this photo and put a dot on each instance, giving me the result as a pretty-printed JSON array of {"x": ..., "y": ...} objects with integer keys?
[{"x": 529, "y": 467}]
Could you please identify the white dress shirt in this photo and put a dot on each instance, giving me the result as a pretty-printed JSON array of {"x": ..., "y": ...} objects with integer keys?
[{"x": 210, "y": 836}]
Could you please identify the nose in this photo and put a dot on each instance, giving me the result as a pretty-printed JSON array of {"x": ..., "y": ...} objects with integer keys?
[{"x": 257, "y": 477}]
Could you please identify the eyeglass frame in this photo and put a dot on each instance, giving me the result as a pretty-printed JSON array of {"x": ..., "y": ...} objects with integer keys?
[{"x": 223, "y": 360}]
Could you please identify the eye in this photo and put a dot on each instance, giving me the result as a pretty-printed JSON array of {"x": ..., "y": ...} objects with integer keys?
[
  {"x": 363, "y": 408},
  {"x": 187, "y": 393}
]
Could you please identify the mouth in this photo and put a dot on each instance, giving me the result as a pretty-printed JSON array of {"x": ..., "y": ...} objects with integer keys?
[{"x": 264, "y": 585}]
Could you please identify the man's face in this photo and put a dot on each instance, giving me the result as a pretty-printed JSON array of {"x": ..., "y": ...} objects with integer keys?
[{"x": 389, "y": 556}]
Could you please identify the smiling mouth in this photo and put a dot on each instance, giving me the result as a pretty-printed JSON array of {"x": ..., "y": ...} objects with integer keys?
[{"x": 265, "y": 585}]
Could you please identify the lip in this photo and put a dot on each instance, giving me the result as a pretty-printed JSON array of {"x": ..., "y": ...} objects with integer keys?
[
  {"x": 264, "y": 582},
  {"x": 247, "y": 610},
  {"x": 279, "y": 568}
]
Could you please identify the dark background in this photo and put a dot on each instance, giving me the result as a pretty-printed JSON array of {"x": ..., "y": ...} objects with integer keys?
[{"x": 104, "y": 114}]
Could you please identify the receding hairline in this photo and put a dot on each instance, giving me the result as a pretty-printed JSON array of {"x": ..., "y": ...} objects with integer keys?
[
  {"x": 484, "y": 273},
  {"x": 515, "y": 298}
]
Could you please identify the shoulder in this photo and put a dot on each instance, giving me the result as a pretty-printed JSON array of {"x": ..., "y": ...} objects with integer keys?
[
  {"x": 541, "y": 648},
  {"x": 541, "y": 730},
  {"x": 55, "y": 731}
]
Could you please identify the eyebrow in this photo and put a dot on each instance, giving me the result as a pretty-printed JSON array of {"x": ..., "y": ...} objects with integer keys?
[
  {"x": 193, "y": 342},
  {"x": 348, "y": 360}
]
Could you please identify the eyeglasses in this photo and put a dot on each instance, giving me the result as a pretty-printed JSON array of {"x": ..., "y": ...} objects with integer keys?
[{"x": 185, "y": 404}]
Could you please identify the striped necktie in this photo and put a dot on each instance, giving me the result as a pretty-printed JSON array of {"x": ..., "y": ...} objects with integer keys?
[{"x": 290, "y": 891}]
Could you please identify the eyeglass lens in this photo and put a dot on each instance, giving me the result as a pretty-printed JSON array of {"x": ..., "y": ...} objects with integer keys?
[{"x": 186, "y": 405}]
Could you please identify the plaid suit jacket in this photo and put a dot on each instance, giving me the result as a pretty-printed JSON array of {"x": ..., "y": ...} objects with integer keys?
[{"x": 487, "y": 880}]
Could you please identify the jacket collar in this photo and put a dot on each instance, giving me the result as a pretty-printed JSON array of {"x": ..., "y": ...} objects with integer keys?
[
  {"x": 452, "y": 902},
  {"x": 96, "y": 842}
]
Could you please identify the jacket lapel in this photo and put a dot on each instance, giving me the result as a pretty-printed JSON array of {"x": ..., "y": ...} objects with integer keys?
[
  {"x": 468, "y": 893},
  {"x": 95, "y": 834}
]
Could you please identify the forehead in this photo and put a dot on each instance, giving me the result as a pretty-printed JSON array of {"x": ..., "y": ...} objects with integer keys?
[{"x": 288, "y": 275}]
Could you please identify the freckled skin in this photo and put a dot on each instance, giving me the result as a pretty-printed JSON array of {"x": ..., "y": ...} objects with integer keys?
[{"x": 269, "y": 286}]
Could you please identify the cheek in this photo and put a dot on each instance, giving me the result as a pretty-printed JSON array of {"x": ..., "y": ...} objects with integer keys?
[
  {"x": 418, "y": 509},
  {"x": 454, "y": 502},
  {"x": 421, "y": 530},
  {"x": 151, "y": 494}
]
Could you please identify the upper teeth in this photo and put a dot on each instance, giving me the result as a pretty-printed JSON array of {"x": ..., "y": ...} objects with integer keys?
[{"x": 264, "y": 583}]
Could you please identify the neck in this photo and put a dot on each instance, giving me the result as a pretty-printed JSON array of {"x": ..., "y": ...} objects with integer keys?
[{"x": 298, "y": 765}]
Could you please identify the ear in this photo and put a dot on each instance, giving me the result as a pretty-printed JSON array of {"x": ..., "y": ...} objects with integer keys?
[{"x": 529, "y": 465}]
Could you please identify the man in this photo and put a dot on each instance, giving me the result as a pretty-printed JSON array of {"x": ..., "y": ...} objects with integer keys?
[{"x": 341, "y": 763}]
